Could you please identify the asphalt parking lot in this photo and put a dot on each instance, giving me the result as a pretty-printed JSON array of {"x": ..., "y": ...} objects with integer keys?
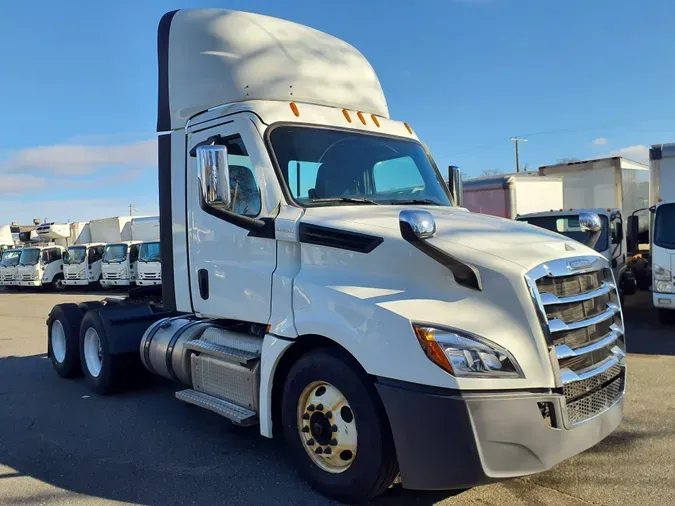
[{"x": 60, "y": 445}]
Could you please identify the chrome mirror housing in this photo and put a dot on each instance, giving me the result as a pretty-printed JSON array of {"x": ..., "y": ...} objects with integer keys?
[
  {"x": 214, "y": 176},
  {"x": 420, "y": 223},
  {"x": 590, "y": 222}
]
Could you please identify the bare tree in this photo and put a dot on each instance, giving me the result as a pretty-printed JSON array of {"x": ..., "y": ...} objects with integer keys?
[
  {"x": 568, "y": 160},
  {"x": 491, "y": 172}
]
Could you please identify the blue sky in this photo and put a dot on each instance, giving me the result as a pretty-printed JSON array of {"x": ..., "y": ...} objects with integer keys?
[{"x": 580, "y": 79}]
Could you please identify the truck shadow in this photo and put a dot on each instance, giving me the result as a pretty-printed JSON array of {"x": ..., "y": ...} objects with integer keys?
[{"x": 141, "y": 446}]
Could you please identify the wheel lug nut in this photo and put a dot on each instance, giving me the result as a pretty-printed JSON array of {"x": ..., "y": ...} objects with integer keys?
[
  {"x": 327, "y": 451},
  {"x": 329, "y": 415},
  {"x": 318, "y": 451},
  {"x": 310, "y": 442},
  {"x": 305, "y": 416},
  {"x": 333, "y": 428},
  {"x": 305, "y": 429},
  {"x": 319, "y": 407},
  {"x": 310, "y": 407},
  {"x": 333, "y": 442}
]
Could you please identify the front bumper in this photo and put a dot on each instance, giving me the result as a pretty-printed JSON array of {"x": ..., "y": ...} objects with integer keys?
[
  {"x": 664, "y": 300},
  {"x": 148, "y": 282},
  {"x": 8, "y": 283},
  {"x": 449, "y": 439},
  {"x": 76, "y": 282},
  {"x": 36, "y": 282},
  {"x": 115, "y": 282}
]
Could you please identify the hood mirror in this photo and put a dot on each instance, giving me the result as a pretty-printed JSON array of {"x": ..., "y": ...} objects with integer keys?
[
  {"x": 417, "y": 224},
  {"x": 590, "y": 222}
]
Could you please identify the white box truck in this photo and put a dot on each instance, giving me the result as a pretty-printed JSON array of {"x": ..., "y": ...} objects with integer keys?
[
  {"x": 662, "y": 200},
  {"x": 613, "y": 188},
  {"x": 149, "y": 266},
  {"x": 510, "y": 195},
  {"x": 9, "y": 266},
  {"x": 83, "y": 263},
  {"x": 6, "y": 238},
  {"x": 121, "y": 260},
  {"x": 319, "y": 278}
]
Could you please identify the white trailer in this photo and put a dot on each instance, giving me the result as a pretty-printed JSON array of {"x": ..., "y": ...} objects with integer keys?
[
  {"x": 318, "y": 278},
  {"x": 662, "y": 202},
  {"x": 510, "y": 195}
]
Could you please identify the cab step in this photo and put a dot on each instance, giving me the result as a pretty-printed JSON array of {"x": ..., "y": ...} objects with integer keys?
[
  {"x": 233, "y": 355},
  {"x": 237, "y": 414}
]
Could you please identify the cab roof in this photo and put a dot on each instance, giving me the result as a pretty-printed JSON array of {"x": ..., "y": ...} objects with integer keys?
[{"x": 210, "y": 57}]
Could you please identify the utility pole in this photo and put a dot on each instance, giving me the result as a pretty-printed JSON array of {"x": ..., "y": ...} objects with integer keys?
[
  {"x": 131, "y": 208},
  {"x": 517, "y": 140}
]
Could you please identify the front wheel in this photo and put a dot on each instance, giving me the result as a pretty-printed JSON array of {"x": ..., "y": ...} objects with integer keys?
[
  {"x": 336, "y": 427},
  {"x": 59, "y": 284}
]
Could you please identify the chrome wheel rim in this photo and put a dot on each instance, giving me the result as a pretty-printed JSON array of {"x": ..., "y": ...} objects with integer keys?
[
  {"x": 327, "y": 427},
  {"x": 93, "y": 353},
  {"x": 58, "y": 342},
  {"x": 59, "y": 284}
]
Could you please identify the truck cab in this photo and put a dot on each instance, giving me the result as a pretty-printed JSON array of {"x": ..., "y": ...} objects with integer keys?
[
  {"x": 319, "y": 277},
  {"x": 8, "y": 267},
  {"x": 611, "y": 244},
  {"x": 41, "y": 266},
  {"x": 149, "y": 267},
  {"x": 82, "y": 264},
  {"x": 119, "y": 264}
]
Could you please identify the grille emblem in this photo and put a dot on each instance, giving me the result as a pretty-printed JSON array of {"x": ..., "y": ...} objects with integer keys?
[{"x": 576, "y": 265}]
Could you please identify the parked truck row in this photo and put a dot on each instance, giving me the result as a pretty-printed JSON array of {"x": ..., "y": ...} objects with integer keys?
[
  {"x": 321, "y": 282},
  {"x": 119, "y": 251}
]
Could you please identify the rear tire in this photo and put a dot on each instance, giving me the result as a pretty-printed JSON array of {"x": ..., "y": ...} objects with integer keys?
[
  {"x": 104, "y": 373},
  {"x": 373, "y": 466},
  {"x": 63, "y": 340}
]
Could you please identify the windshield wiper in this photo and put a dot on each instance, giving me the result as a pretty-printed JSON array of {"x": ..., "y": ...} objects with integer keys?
[
  {"x": 416, "y": 202},
  {"x": 351, "y": 200}
]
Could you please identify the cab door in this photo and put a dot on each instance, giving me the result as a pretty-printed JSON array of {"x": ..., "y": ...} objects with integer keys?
[{"x": 231, "y": 267}]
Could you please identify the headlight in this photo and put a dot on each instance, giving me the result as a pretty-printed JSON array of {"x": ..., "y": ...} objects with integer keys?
[
  {"x": 466, "y": 356},
  {"x": 664, "y": 286},
  {"x": 123, "y": 273},
  {"x": 662, "y": 273}
]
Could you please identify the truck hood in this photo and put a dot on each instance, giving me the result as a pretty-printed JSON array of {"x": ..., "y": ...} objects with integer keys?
[{"x": 458, "y": 229}]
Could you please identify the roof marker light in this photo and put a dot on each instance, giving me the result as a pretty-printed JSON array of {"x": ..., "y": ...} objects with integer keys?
[
  {"x": 360, "y": 115},
  {"x": 408, "y": 127},
  {"x": 345, "y": 112},
  {"x": 375, "y": 120},
  {"x": 294, "y": 108}
]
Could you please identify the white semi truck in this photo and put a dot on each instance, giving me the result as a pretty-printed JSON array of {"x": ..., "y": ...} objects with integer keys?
[
  {"x": 662, "y": 249},
  {"x": 319, "y": 279},
  {"x": 149, "y": 267},
  {"x": 85, "y": 259},
  {"x": 121, "y": 260}
]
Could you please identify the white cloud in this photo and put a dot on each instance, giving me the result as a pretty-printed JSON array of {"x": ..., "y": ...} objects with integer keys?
[
  {"x": 81, "y": 160},
  {"x": 74, "y": 210},
  {"x": 638, "y": 153},
  {"x": 11, "y": 184},
  {"x": 600, "y": 141}
]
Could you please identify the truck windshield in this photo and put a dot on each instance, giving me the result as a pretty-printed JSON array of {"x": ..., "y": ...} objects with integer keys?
[
  {"x": 11, "y": 258},
  {"x": 333, "y": 167},
  {"x": 664, "y": 226},
  {"x": 115, "y": 253},
  {"x": 149, "y": 252},
  {"x": 569, "y": 227},
  {"x": 75, "y": 255},
  {"x": 29, "y": 256}
]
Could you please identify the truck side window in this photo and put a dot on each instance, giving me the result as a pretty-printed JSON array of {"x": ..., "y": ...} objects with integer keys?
[
  {"x": 133, "y": 253},
  {"x": 244, "y": 189},
  {"x": 53, "y": 255},
  {"x": 397, "y": 174}
]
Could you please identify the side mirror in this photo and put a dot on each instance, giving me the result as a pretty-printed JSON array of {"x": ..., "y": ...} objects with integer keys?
[
  {"x": 214, "y": 176},
  {"x": 633, "y": 233},
  {"x": 617, "y": 236},
  {"x": 590, "y": 222},
  {"x": 44, "y": 258},
  {"x": 455, "y": 185}
]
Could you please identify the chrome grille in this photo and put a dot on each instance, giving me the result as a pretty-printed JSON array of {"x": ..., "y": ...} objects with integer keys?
[
  {"x": 150, "y": 275},
  {"x": 578, "y": 305},
  {"x": 596, "y": 402},
  {"x": 111, "y": 275}
]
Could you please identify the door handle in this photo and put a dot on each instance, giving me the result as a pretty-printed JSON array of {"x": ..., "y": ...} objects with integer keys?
[{"x": 203, "y": 280}]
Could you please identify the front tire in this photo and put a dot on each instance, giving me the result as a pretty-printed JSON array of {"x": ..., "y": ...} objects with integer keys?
[
  {"x": 59, "y": 283},
  {"x": 336, "y": 427},
  {"x": 63, "y": 331}
]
